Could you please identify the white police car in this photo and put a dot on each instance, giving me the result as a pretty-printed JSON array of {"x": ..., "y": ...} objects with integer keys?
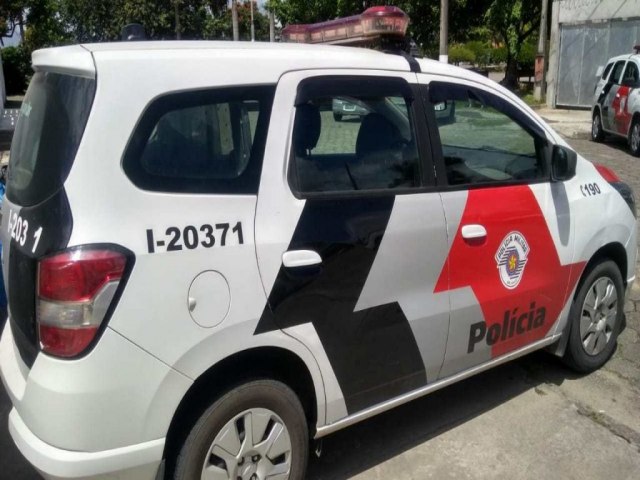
[
  {"x": 616, "y": 102},
  {"x": 205, "y": 270}
]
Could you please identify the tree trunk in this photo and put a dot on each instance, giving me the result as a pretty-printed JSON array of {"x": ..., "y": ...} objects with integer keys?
[{"x": 511, "y": 73}]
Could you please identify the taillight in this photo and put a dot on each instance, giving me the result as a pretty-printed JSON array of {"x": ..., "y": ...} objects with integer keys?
[{"x": 75, "y": 290}]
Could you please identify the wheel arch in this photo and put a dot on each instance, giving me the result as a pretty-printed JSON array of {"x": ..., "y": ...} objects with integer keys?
[
  {"x": 635, "y": 118},
  {"x": 613, "y": 251},
  {"x": 275, "y": 363}
]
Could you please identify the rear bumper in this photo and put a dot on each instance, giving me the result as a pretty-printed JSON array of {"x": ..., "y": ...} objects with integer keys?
[
  {"x": 134, "y": 462},
  {"x": 102, "y": 416}
]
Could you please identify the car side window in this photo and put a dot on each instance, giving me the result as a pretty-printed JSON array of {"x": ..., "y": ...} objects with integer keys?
[
  {"x": 201, "y": 142},
  {"x": 631, "y": 74},
  {"x": 354, "y": 134},
  {"x": 616, "y": 75},
  {"x": 607, "y": 69},
  {"x": 486, "y": 139}
]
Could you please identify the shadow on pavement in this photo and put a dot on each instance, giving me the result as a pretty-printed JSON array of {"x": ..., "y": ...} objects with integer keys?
[{"x": 372, "y": 442}]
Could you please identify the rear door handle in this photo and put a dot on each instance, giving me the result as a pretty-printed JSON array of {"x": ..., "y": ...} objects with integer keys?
[
  {"x": 300, "y": 258},
  {"x": 474, "y": 231}
]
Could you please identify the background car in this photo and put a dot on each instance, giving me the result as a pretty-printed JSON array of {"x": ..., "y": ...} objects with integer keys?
[{"x": 616, "y": 108}]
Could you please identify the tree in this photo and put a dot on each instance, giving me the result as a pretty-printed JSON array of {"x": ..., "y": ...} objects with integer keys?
[
  {"x": 12, "y": 18},
  {"x": 513, "y": 21}
]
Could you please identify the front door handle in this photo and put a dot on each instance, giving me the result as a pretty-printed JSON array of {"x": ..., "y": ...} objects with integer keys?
[
  {"x": 300, "y": 258},
  {"x": 473, "y": 232}
]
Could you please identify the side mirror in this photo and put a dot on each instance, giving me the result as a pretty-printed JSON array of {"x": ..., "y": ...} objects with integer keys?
[
  {"x": 563, "y": 163},
  {"x": 440, "y": 107},
  {"x": 599, "y": 71}
]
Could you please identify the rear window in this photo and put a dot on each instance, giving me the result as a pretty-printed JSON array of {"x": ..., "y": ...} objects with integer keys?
[
  {"x": 208, "y": 141},
  {"x": 50, "y": 126}
]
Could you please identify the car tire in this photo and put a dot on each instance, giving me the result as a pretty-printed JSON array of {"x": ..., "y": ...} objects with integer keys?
[
  {"x": 337, "y": 117},
  {"x": 634, "y": 137},
  {"x": 596, "y": 318},
  {"x": 597, "y": 133},
  {"x": 279, "y": 426}
]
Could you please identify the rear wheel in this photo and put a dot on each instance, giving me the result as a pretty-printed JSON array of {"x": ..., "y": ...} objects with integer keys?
[
  {"x": 597, "y": 134},
  {"x": 634, "y": 137},
  {"x": 256, "y": 431},
  {"x": 596, "y": 317}
]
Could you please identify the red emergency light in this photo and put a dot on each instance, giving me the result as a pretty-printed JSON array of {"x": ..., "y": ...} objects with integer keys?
[{"x": 372, "y": 24}]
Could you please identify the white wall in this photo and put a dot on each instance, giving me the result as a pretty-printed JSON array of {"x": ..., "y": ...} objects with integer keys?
[{"x": 577, "y": 11}]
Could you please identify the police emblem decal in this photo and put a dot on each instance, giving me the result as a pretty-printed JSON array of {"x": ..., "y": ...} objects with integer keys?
[{"x": 511, "y": 258}]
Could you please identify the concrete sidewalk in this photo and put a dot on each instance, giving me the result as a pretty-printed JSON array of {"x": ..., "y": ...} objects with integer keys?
[{"x": 574, "y": 124}]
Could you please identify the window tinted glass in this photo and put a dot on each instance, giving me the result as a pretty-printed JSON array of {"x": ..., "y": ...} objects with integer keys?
[
  {"x": 51, "y": 123},
  {"x": 616, "y": 75},
  {"x": 201, "y": 142},
  {"x": 483, "y": 138},
  {"x": 355, "y": 142},
  {"x": 631, "y": 74},
  {"x": 606, "y": 71}
]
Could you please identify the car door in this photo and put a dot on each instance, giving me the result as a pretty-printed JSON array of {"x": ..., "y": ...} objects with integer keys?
[
  {"x": 508, "y": 266},
  {"x": 611, "y": 97},
  {"x": 350, "y": 234},
  {"x": 622, "y": 112}
]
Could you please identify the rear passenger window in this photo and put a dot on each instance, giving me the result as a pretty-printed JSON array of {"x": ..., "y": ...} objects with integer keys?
[
  {"x": 354, "y": 134},
  {"x": 201, "y": 142},
  {"x": 616, "y": 75},
  {"x": 631, "y": 74},
  {"x": 485, "y": 139}
]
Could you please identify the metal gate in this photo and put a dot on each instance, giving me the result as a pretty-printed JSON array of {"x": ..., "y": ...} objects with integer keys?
[{"x": 584, "y": 48}]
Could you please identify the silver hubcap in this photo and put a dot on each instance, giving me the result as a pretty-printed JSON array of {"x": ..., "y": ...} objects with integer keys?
[
  {"x": 599, "y": 313},
  {"x": 254, "y": 445},
  {"x": 635, "y": 137},
  {"x": 595, "y": 128}
]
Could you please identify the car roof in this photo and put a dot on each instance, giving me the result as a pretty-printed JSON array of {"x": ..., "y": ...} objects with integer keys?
[
  {"x": 276, "y": 57},
  {"x": 626, "y": 56}
]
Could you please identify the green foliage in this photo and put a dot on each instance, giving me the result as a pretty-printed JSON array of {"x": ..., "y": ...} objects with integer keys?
[
  {"x": 16, "y": 63},
  {"x": 481, "y": 51},
  {"x": 528, "y": 51},
  {"x": 219, "y": 26},
  {"x": 461, "y": 53},
  {"x": 513, "y": 21},
  {"x": 12, "y": 17}
]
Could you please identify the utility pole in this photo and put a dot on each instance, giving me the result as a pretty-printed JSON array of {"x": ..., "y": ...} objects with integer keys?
[
  {"x": 177, "y": 15},
  {"x": 444, "y": 31},
  {"x": 540, "y": 85},
  {"x": 253, "y": 30},
  {"x": 272, "y": 26},
  {"x": 234, "y": 20}
]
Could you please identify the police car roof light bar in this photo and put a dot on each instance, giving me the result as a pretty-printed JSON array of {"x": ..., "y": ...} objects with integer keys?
[{"x": 373, "y": 24}]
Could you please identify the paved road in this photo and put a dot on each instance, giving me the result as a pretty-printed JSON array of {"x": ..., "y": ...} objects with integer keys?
[{"x": 529, "y": 419}]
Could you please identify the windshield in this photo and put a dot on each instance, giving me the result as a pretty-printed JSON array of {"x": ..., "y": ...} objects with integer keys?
[{"x": 50, "y": 125}]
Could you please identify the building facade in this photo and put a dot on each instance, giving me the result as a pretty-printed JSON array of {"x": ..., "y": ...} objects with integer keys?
[{"x": 584, "y": 34}]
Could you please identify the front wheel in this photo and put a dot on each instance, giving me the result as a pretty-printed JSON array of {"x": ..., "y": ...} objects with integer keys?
[
  {"x": 634, "y": 138},
  {"x": 337, "y": 117},
  {"x": 256, "y": 431},
  {"x": 596, "y": 318},
  {"x": 597, "y": 134}
]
